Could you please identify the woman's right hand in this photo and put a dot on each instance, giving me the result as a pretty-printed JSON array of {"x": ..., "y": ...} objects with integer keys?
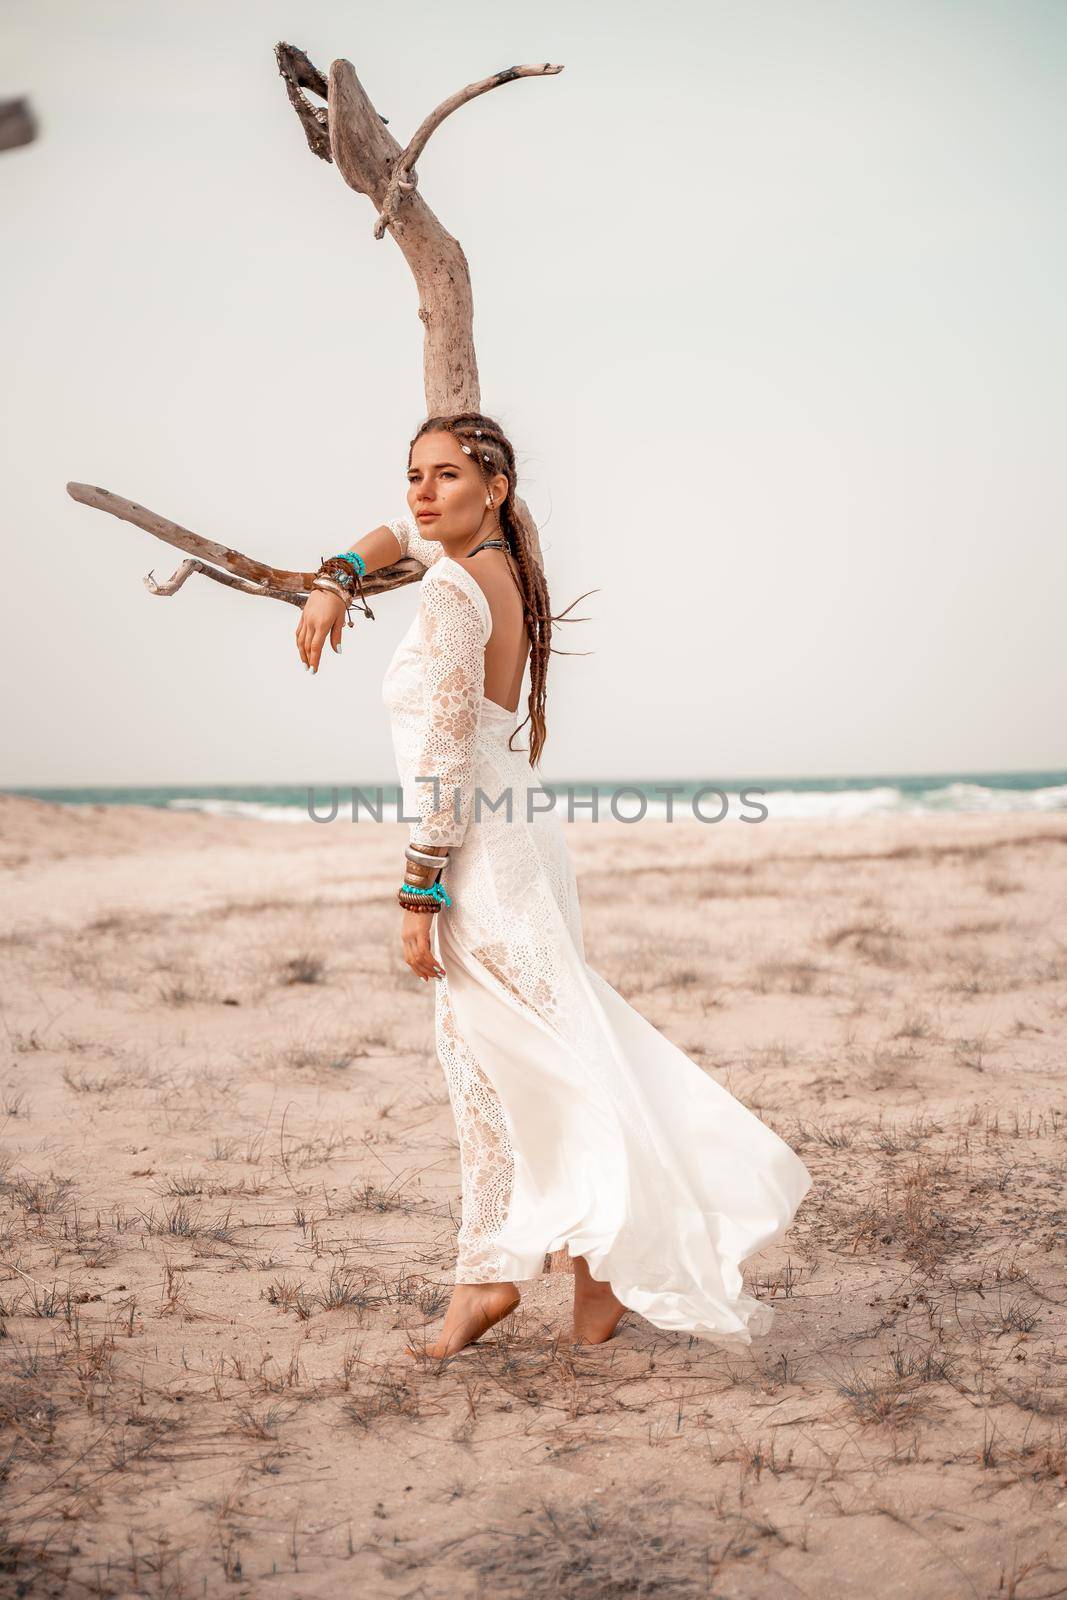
[{"x": 323, "y": 617}]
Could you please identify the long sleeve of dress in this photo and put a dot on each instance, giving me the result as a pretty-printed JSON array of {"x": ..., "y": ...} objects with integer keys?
[
  {"x": 406, "y": 532},
  {"x": 452, "y": 636}
]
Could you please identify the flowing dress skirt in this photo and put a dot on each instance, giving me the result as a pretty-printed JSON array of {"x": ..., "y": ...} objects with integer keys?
[{"x": 580, "y": 1125}]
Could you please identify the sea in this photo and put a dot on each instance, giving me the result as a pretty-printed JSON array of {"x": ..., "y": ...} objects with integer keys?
[{"x": 708, "y": 800}]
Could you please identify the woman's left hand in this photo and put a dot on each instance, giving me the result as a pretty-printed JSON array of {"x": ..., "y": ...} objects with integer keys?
[{"x": 418, "y": 951}]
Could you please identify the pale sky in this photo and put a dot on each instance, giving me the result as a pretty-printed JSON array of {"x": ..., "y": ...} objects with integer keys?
[{"x": 768, "y": 295}]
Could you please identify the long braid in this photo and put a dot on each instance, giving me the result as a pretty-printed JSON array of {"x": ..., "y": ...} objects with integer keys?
[{"x": 491, "y": 441}]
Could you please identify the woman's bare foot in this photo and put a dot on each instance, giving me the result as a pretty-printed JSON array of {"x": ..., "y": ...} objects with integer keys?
[
  {"x": 597, "y": 1309},
  {"x": 472, "y": 1311}
]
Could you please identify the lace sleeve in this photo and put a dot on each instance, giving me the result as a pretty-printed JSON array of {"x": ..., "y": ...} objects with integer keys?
[
  {"x": 405, "y": 530},
  {"x": 452, "y": 636}
]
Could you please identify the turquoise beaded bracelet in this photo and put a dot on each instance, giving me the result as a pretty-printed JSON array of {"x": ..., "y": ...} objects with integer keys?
[
  {"x": 436, "y": 891},
  {"x": 355, "y": 559}
]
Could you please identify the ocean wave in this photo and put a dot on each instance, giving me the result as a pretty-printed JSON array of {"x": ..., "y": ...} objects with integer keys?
[
  {"x": 977, "y": 797},
  {"x": 251, "y": 810}
]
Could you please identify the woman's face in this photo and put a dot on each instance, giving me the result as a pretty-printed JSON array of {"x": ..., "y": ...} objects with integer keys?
[{"x": 446, "y": 491}]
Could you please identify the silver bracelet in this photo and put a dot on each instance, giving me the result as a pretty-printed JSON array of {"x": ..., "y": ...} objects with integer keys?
[
  {"x": 423, "y": 858},
  {"x": 328, "y": 584}
]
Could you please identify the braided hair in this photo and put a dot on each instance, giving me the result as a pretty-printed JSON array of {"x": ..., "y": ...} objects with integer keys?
[{"x": 487, "y": 439}]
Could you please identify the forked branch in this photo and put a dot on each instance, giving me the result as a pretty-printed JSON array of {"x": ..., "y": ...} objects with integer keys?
[
  {"x": 239, "y": 571},
  {"x": 351, "y": 134},
  {"x": 404, "y": 177}
]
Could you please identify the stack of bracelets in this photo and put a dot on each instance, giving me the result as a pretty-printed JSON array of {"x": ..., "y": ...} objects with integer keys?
[
  {"x": 422, "y": 889},
  {"x": 343, "y": 576}
]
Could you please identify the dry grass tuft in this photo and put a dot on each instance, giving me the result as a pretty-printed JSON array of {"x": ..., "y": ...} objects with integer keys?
[
  {"x": 597, "y": 1551},
  {"x": 881, "y": 942}
]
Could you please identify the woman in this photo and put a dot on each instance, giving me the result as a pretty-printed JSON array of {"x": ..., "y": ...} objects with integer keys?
[{"x": 579, "y": 1124}]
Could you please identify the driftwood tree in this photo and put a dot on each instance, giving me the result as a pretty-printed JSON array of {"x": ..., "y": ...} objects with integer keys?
[{"x": 347, "y": 131}]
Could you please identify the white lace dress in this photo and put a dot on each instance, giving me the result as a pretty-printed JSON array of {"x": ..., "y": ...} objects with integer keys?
[{"x": 580, "y": 1125}]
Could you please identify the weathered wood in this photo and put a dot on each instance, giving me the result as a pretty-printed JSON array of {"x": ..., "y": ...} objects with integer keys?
[
  {"x": 365, "y": 154},
  {"x": 299, "y": 74},
  {"x": 367, "y": 157},
  {"x": 188, "y": 568},
  {"x": 239, "y": 571},
  {"x": 372, "y": 162},
  {"x": 349, "y": 132},
  {"x": 403, "y": 178}
]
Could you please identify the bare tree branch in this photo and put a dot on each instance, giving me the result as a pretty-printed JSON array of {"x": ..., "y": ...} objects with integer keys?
[
  {"x": 188, "y": 568},
  {"x": 350, "y": 133},
  {"x": 404, "y": 178},
  {"x": 366, "y": 154},
  {"x": 239, "y": 571},
  {"x": 299, "y": 74}
]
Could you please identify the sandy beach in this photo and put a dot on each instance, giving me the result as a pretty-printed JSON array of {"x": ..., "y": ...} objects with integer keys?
[{"x": 229, "y": 1196}]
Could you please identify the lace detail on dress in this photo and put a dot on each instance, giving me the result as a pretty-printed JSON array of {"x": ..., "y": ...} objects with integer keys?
[
  {"x": 487, "y": 1162},
  {"x": 532, "y": 988},
  {"x": 425, "y": 551},
  {"x": 579, "y": 1124},
  {"x": 451, "y": 635}
]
